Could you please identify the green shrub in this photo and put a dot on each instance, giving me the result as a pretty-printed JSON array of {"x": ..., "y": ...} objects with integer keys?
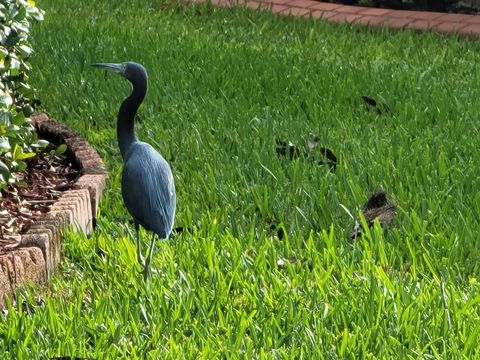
[{"x": 17, "y": 138}]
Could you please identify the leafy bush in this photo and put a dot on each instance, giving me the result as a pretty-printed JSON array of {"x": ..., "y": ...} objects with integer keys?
[{"x": 18, "y": 140}]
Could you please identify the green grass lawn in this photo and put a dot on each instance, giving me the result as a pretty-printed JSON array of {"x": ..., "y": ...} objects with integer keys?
[{"x": 224, "y": 85}]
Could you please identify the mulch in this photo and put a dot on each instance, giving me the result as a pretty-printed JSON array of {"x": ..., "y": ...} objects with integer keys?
[{"x": 46, "y": 177}]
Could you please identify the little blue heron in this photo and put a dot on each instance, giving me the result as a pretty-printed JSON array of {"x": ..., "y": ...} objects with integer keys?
[{"x": 148, "y": 189}]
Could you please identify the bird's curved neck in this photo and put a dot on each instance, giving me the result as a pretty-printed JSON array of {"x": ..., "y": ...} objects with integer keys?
[{"x": 126, "y": 117}]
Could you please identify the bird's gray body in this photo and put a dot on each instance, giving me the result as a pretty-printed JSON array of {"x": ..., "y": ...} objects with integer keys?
[{"x": 148, "y": 189}]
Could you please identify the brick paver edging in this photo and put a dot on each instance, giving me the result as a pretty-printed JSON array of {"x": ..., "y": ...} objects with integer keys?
[
  {"x": 461, "y": 24},
  {"x": 38, "y": 253}
]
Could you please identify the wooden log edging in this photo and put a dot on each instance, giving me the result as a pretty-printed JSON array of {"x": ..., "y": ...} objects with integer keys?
[{"x": 38, "y": 253}]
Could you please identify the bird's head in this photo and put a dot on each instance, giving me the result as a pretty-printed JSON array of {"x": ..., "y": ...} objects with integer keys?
[{"x": 130, "y": 70}]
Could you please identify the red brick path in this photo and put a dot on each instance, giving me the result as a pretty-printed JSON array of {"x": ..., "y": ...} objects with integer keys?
[{"x": 463, "y": 25}]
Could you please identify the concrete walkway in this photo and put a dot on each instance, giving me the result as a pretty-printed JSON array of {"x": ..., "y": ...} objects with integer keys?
[{"x": 463, "y": 25}]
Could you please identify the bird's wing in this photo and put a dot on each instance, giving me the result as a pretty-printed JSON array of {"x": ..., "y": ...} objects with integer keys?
[{"x": 148, "y": 190}]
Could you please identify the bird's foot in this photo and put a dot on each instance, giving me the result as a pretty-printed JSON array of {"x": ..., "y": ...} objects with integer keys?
[{"x": 147, "y": 271}]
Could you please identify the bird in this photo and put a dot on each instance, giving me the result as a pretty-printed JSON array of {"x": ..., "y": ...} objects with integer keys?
[
  {"x": 378, "y": 206},
  {"x": 148, "y": 187}
]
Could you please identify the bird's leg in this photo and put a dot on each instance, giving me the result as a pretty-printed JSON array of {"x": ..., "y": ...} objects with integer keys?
[
  {"x": 140, "y": 258},
  {"x": 147, "y": 268}
]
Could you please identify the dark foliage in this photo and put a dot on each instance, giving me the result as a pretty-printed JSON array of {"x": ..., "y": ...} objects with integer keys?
[{"x": 471, "y": 7}]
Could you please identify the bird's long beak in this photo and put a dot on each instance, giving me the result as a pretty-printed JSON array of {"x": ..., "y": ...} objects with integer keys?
[{"x": 117, "y": 68}]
